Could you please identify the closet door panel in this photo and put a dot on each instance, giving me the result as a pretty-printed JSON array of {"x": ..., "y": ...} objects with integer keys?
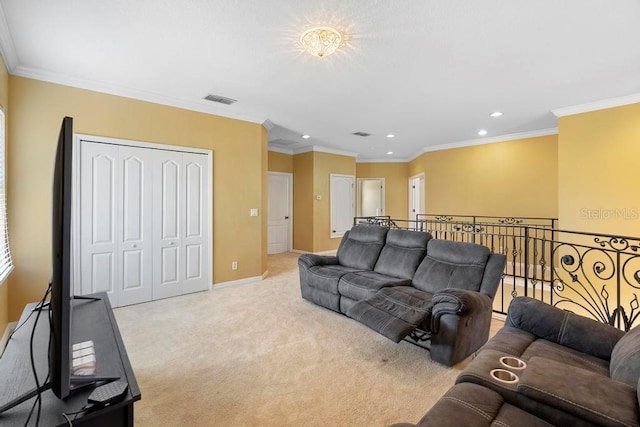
[
  {"x": 168, "y": 212},
  {"x": 196, "y": 170},
  {"x": 98, "y": 220},
  {"x": 136, "y": 225}
]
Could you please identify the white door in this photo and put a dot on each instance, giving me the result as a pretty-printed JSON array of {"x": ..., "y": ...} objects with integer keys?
[
  {"x": 143, "y": 220},
  {"x": 342, "y": 203},
  {"x": 135, "y": 225},
  {"x": 115, "y": 220},
  {"x": 416, "y": 196},
  {"x": 168, "y": 211},
  {"x": 279, "y": 224},
  {"x": 196, "y": 251},
  {"x": 98, "y": 219}
]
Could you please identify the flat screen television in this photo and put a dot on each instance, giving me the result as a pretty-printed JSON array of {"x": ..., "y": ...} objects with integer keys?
[{"x": 61, "y": 295}]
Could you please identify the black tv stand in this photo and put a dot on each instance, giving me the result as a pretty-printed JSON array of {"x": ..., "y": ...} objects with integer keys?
[
  {"x": 42, "y": 306},
  {"x": 92, "y": 320}
]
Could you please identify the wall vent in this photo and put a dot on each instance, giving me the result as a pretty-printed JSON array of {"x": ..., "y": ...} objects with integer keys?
[
  {"x": 362, "y": 134},
  {"x": 220, "y": 99}
]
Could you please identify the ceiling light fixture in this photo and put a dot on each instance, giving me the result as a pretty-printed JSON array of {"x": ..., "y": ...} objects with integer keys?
[
  {"x": 389, "y": 152},
  {"x": 496, "y": 114},
  {"x": 482, "y": 132},
  {"x": 306, "y": 136},
  {"x": 321, "y": 41},
  {"x": 391, "y": 135}
]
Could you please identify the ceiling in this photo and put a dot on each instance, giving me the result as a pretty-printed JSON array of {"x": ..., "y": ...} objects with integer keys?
[{"x": 428, "y": 71}]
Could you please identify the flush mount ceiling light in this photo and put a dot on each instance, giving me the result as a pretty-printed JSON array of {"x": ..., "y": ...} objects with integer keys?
[
  {"x": 321, "y": 41},
  {"x": 482, "y": 132},
  {"x": 496, "y": 114},
  {"x": 391, "y": 135},
  {"x": 305, "y": 136}
]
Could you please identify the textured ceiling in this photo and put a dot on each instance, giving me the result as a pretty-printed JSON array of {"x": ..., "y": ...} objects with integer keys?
[{"x": 428, "y": 71}]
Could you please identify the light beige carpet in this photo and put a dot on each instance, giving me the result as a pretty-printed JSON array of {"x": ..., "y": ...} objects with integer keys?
[{"x": 259, "y": 355}]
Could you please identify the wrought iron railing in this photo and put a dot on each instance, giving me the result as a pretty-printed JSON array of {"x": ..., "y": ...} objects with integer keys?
[{"x": 597, "y": 275}]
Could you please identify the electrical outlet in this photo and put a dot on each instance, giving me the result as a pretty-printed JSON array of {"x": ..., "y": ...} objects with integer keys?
[
  {"x": 234, "y": 265},
  {"x": 253, "y": 212}
]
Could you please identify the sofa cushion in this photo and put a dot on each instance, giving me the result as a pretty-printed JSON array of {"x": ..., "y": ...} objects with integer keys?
[
  {"x": 451, "y": 265},
  {"x": 525, "y": 345},
  {"x": 402, "y": 253},
  {"x": 361, "y": 246},
  {"x": 326, "y": 277},
  {"x": 365, "y": 284},
  {"x": 393, "y": 312},
  {"x": 472, "y": 405},
  {"x": 625, "y": 358}
]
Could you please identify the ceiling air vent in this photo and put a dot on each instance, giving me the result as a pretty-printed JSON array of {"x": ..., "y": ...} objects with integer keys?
[
  {"x": 220, "y": 99},
  {"x": 362, "y": 134}
]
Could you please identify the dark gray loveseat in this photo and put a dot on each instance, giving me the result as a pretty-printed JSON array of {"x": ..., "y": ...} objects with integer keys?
[
  {"x": 404, "y": 284},
  {"x": 576, "y": 372}
]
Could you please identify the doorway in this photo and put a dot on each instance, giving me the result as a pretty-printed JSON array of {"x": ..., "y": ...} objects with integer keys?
[
  {"x": 280, "y": 195},
  {"x": 370, "y": 197},
  {"x": 416, "y": 196}
]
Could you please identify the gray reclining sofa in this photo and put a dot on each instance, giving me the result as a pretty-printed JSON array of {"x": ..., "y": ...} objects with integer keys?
[
  {"x": 576, "y": 372},
  {"x": 406, "y": 285}
]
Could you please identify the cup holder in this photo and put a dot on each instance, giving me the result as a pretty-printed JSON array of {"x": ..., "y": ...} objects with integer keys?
[
  {"x": 513, "y": 362},
  {"x": 504, "y": 376}
]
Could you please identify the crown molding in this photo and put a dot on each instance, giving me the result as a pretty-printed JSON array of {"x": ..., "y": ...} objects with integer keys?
[
  {"x": 382, "y": 160},
  {"x": 92, "y": 85},
  {"x": 597, "y": 105},
  {"x": 482, "y": 141},
  {"x": 321, "y": 149},
  {"x": 267, "y": 124},
  {"x": 7, "y": 47},
  {"x": 280, "y": 150}
]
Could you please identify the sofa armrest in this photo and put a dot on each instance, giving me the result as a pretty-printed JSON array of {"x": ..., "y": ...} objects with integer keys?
[
  {"x": 563, "y": 327},
  {"x": 457, "y": 301},
  {"x": 587, "y": 395},
  {"x": 312, "y": 260}
]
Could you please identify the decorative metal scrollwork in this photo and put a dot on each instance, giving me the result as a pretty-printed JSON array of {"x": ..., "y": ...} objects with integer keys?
[{"x": 510, "y": 221}]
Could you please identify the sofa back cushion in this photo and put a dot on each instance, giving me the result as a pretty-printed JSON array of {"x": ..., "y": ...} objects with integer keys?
[
  {"x": 451, "y": 265},
  {"x": 625, "y": 358},
  {"x": 361, "y": 246},
  {"x": 402, "y": 253}
]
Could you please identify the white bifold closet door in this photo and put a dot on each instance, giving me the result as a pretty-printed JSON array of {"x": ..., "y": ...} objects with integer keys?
[{"x": 143, "y": 222}]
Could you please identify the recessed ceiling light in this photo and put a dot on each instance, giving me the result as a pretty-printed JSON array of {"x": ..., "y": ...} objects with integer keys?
[
  {"x": 496, "y": 114},
  {"x": 306, "y": 136},
  {"x": 389, "y": 152},
  {"x": 391, "y": 135},
  {"x": 482, "y": 132}
]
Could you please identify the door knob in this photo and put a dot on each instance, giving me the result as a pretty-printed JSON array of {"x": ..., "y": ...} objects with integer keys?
[
  {"x": 286, "y": 217},
  {"x": 134, "y": 246},
  {"x": 171, "y": 243}
]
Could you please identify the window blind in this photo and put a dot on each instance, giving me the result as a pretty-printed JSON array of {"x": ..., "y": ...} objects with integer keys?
[{"x": 6, "y": 265}]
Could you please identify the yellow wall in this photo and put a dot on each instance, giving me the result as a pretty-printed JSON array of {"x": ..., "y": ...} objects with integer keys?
[
  {"x": 239, "y": 170},
  {"x": 512, "y": 178},
  {"x": 598, "y": 175},
  {"x": 303, "y": 201},
  {"x": 396, "y": 185},
  {"x": 280, "y": 162},
  {"x": 4, "y": 103},
  {"x": 324, "y": 165}
]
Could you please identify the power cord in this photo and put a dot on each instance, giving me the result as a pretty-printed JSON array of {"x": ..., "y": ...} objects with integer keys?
[
  {"x": 38, "y": 400},
  {"x": 36, "y": 308}
]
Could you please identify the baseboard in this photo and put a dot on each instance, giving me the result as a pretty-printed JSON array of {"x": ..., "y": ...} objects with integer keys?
[
  {"x": 331, "y": 252},
  {"x": 498, "y": 316},
  {"x": 231, "y": 283},
  {"x": 5, "y": 337}
]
